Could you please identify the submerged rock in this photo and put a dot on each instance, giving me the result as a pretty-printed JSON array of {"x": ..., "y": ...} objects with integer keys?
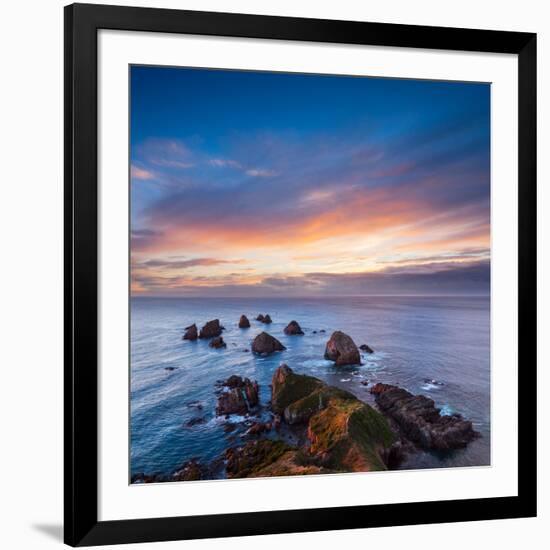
[
  {"x": 190, "y": 333},
  {"x": 364, "y": 347},
  {"x": 195, "y": 421},
  {"x": 293, "y": 328},
  {"x": 420, "y": 421},
  {"x": 244, "y": 322},
  {"x": 211, "y": 329},
  {"x": 217, "y": 343},
  {"x": 342, "y": 350},
  {"x": 242, "y": 396},
  {"x": 265, "y": 343}
]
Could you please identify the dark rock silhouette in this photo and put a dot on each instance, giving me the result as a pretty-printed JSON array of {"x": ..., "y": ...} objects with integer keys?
[
  {"x": 265, "y": 343},
  {"x": 293, "y": 328},
  {"x": 217, "y": 343},
  {"x": 342, "y": 350},
  {"x": 190, "y": 333},
  {"x": 420, "y": 421},
  {"x": 240, "y": 398},
  {"x": 211, "y": 329},
  {"x": 260, "y": 318},
  {"x": 364, "y": 347},
  {"x": 244, "y": 322}
]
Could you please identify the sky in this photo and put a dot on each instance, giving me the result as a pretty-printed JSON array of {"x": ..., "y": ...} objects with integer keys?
[{"x": 250, "y": 183}]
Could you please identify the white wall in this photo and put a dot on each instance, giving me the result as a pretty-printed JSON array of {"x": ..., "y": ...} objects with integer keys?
[{"x": 31, "y": 275}]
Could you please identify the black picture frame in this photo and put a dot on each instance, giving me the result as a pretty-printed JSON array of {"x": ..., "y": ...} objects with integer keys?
[{"x": 82, "y": 22}]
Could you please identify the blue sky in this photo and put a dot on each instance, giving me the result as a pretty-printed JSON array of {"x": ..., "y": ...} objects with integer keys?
[{"x": 251, "y": 183}]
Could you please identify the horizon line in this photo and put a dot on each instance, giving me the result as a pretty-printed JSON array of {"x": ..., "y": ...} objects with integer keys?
[{"x": 477, "y": 295}]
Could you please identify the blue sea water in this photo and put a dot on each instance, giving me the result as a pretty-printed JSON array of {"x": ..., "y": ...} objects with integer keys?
[{"x": 415, "y": 339}]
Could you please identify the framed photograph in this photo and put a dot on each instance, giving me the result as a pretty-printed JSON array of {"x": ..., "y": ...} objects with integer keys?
[{"x": 300, "y": 274}]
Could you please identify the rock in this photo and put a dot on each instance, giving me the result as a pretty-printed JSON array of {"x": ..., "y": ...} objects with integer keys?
[
  {"x": 365, "y": 382},
  {"x": 287, "y": 387},
  {"x": 241, "y": 398},
  {"x": 258, "y": 428},
  {"x": 268, "y": 458},
  {"x": 211, "y": 329},
  {"x": 260, "y": 318},
  {"x": 244, "y": 322},
  {"x": 231, "y": 402},
  {"x": 364, "y": 347},
  {"x": 314, "y": 332},
  {"x": 146, "y": 478},
  {"x": 293, "y": 328},
  {"x": 349, "y": 435},
  {"x": 190, "y": 333},
  {"x": 217, "y": 343},
  {"x": 170, "y": 368},
  {"x": 267, "y": 319},
  {"x": 189, "y": 471},
  {"x": 195, "y": 421},
  {"x": 420, "y": 421},
  {"x": 246, "y": 350},
  {"x": 322, "y": 331},
  {"x": 265, "y": 343},
  {"x": 345, "y": 433},
  {"x": 229, "y": 427},
  {"x": 342, "y": 350}
]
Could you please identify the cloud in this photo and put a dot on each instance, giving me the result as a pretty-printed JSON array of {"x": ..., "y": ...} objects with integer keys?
[
  {"x": 186, "y": 264},
  {"x": 221, "y": 163},
  {"x": 140, "y": 173},
  {"x": 258, "y": 173}
]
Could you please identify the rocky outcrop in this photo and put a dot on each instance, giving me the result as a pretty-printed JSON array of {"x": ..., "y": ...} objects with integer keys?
[
  {"x": 217, "y": 343},
  {"x": 260, "y": 318},
  {"x": 293, "y": 328},
  {"x": 267, "y": 458},
  {"x": 345, "y": 434},
  {"x": 258, "y": 427},
  {"x": 366, "y": 349},
  {"x": 211, "y": 329},
  {"x": 244, "y": 322},
  {"x": 267, "y": 319},
  {"x": 420, "y": 420},
  {"x": 342, "y": 350},
  {"x": 264, "y": 343},
  {"x": 288, "y": 388},
  {"x": 191, "y": 333},
  {"x": 240, "y": 396},
  {"x": 189, "y": 471}
]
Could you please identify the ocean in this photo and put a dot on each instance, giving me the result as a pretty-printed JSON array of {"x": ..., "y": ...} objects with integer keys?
[{"x": 436, "y": 346}]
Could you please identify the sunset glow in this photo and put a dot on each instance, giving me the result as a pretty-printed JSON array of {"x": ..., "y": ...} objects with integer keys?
[{"x": 262, "y": 184}]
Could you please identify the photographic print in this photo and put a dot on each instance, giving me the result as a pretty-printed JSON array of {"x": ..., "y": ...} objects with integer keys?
[{"x": 310, "y": 274}]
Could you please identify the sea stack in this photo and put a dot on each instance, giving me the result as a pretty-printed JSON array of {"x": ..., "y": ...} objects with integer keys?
[
  {"x": 342, "y": 350},
  {"x": 190, "y": 332},
  {"x": 244, "y": 322},
  {"x": 260, "y": 318},
  {"x": 267, "y": 319},
  {"x": 366, "y": 349},
  {"x": 293, "y": 328},
  {"x": 211, "y": 329},
  {"x": 264, "y": 343},
  {"x": 217, "y": 343}
]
